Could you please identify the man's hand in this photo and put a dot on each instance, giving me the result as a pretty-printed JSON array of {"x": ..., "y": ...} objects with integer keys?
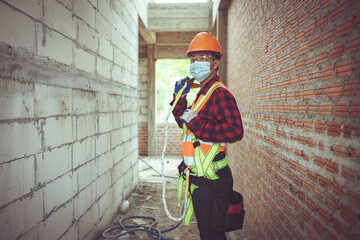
[
  {"x": 188, "y": 115},
  {"x": 179, "y": 84}
]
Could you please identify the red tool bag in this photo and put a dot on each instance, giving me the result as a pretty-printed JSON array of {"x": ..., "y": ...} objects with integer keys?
[{"x": 227, "y": 213}]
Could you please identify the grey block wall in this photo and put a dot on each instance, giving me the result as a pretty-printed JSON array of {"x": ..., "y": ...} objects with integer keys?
[{"x": 68, "y": 116}]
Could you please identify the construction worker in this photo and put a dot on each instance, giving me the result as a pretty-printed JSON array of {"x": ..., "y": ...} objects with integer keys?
[{"x": 210, "y": 123}]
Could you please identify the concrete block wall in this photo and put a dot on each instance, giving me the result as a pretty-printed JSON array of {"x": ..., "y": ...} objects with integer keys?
[
  {"x": 294, "y": 68},
  {"x": 143, "y": 106},
  {"x": 68, "y": 116}
]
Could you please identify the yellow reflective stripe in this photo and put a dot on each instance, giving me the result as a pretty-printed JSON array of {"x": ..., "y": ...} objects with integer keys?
[
  {"x": 180, "y": 189},
  {"x": 198, "y": 104},
  {"x": 190, "y": 207}
]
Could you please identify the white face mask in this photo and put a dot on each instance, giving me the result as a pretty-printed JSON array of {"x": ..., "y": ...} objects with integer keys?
[{"x": 200, "y": 70}]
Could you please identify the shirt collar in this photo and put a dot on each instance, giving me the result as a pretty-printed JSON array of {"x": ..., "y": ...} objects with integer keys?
[{"x": 207, "y": 86}]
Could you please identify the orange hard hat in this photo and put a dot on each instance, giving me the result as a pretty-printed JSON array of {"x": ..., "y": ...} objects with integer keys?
[{"x": 204, "y": 42}]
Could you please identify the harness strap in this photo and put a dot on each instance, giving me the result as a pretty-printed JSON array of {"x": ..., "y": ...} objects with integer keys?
[{"x": 190, "y": 207}]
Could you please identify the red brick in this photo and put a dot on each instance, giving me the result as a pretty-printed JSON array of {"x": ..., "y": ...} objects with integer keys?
[
  {"x": 352, "y": 88},
  {"x": 350, "y": 174},
  {"x": 322, "y": 57},
  {"x": 344, "y": 27},
  {"x": 337, "y": 11},
  {"x": 317, "y": 193},
  {"x": 318, "y": 227},
  {"x": 319, "y": 126},
  {"x": 335, "y": 90},
  {"x": 353, "y": 44},
  {"x": 349, "y": 215},
  {"x": 321, "y": 21},
  {"x": 327, "y": 37},
  {"x": 338, "y": 189},
  {"x": 342, "y": 109},
  {"x": 327, "y": 73},
  {"x": 324, "y": 182},
  {"x": 332, "y": 167},
  {"x": 331, "y": 202},
  {"x": 325, "y": 216},
  {"x": 355, "y": 109},
  {"x": 340, "y": 151},
  {"x": 343, "y": 69},
  {"x": 334, "y": 129},
  {"x": 355, "y": 198},
  {"x": 337, "y": 51},
  {"x": 326, "y": 109}
]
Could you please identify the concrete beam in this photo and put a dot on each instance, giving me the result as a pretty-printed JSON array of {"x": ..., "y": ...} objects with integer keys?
[{"x": 148, "y": 36}]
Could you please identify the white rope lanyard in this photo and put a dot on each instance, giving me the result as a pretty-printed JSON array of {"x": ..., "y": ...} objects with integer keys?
[{"x": 184, "y": 203}]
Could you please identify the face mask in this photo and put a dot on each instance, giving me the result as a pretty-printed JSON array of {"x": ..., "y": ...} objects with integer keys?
[{"x": 200, "y": 70}]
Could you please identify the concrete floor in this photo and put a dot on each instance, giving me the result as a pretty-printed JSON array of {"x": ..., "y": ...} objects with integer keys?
[{"x": 146, "y": 200}]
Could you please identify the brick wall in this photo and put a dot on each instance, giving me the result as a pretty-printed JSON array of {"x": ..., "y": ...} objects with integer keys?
[
  {"x": 143, "y": 104},
  {"x": 174, "y": 144},
  {"x": 294, "y": 69},
  {"x": 68, "y": 116}
]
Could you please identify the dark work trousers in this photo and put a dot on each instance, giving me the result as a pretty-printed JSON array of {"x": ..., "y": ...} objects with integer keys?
[{"x": 202, "y": 198}]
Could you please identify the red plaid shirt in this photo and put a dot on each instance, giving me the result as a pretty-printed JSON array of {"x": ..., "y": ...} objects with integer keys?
[{"x": 218, "y": 121}]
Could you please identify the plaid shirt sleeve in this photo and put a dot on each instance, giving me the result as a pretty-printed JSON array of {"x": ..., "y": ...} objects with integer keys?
[{"x": 219, "y": 120}]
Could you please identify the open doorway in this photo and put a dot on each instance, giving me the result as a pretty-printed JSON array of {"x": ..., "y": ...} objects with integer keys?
[{"x": 168, "y": 71}]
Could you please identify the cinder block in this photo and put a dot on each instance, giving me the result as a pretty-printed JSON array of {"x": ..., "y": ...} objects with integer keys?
[
  {"x": 58, "y": 17},
  {"x": 105, "y": 48},
  {"x": 57, "y": 223},
  {"x": 119, "y": 57},
  {"x": 84, "y": 61},
  {"x": 85, "y": 126},
  {"x": 84, "y": 200},
  {"x": 14, "y": 26},
  {"x": 105, "y": 162},
  {"x": 127, "y": 118},
  {"x": 104, "y": 121},
  {"x": 87, "y": 223},
  {"x": 102, "y": 102},
  {"x": 17, "y": 178},
  {"x": 19, "y": 140},
  {"x": 103, "y": 183},
  {"x": 21, "y": 216},
  {"x": 118, "y": 120},
  {"x": 83, "y": 102},
  {"x": 106, "y": 202},
  {"x": 16, "y": 100},
  {"x": 54, "y": 164},
  {"x": 57, "y": 131},
  {"x": 102, "y": 143},
  {"x": 117, "y": 171},
  {"x": 86, "y": 174},
  {"x": 117, "y": 137},
  {"x": 103, "y": 67},
  {"x": 71, "y": 233},
  {"x": 58, "y": 192},
  {"x": 118, "y": 153},
  {"x": 104, "y": 9},
  {"x": 31, "y": 7},
  {"x": 66, "y": 3},
  {"x": 116, "y": 73},
  {"x": 48, "y": 43},
  {"x": 52, "y": 101},
  {"x": 102, "y": 25},
  {"x": 88, "y": 37},
  {"x": 119, "y": 187},
  {"x": 115, "y": 102},
  {"x": 83, "y": 151},
  {"x": 85, "y": 11},
  {"x": 31, "y": 234}
]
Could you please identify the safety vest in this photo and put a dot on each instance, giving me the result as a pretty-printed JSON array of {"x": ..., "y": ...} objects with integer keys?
[
  {"x": 192, "y": 156},
  {"x": 198, "y": 155}
]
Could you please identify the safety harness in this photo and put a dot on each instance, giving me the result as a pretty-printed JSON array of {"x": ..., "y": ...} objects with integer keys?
[{"x": 198, "y": 156}]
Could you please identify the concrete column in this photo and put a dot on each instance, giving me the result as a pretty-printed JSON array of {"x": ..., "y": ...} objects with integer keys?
[
  {"x": 221, "y": 35},
  {"x": 152, "y": 101}
]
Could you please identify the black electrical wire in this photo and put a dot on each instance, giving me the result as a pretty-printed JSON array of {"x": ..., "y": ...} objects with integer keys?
[{"x": 150, "y": 230}]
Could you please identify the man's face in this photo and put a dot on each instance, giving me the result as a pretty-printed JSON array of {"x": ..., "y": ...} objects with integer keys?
[{"x": 204, "y": 57}]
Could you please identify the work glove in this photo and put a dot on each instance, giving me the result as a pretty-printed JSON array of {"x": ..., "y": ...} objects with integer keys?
[
  {"x": 188, "y": 115},
  {"x": 179, "y": 84},
  {"x": 181, "y": 168}
]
